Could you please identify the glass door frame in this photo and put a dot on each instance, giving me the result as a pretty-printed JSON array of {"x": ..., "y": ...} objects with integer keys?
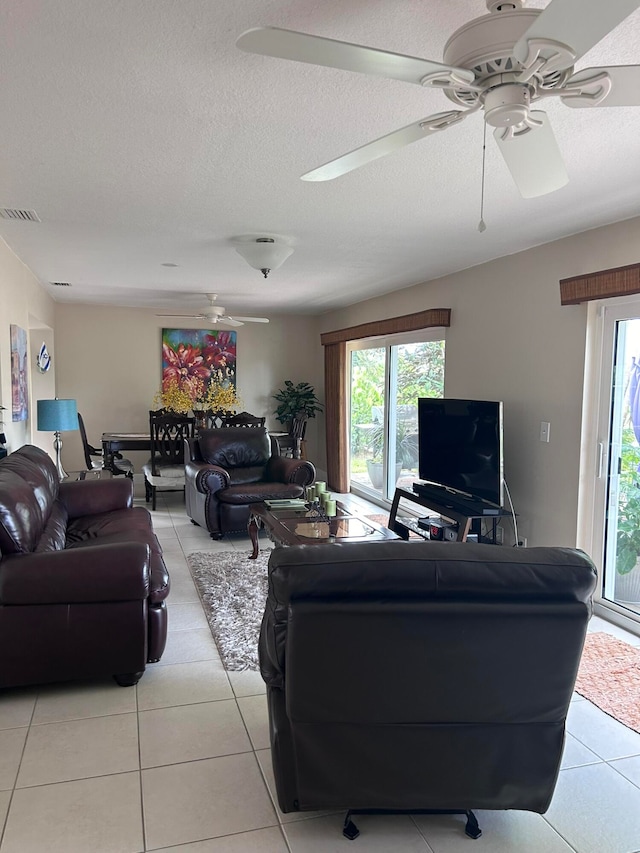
[
  {"x": 595, "y": 498},
  {"x": 435, "y": 333}
]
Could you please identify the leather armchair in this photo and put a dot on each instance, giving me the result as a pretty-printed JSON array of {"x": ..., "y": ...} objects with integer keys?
[
  {"x": 421, "y": 676},
  {"x": 228, "y": 469}
]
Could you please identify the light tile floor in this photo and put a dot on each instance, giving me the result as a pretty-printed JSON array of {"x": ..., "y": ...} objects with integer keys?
[{"x": 182, "y": 761}]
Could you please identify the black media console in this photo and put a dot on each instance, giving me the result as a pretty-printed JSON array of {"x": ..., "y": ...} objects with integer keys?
[{"x": 468, "y": 513}]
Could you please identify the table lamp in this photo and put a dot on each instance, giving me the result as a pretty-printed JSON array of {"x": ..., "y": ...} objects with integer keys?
[{"x": 56, "y": 416}]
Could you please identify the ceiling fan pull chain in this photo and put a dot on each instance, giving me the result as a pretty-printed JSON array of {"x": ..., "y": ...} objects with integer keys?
[{"x": 481, "y": 225}]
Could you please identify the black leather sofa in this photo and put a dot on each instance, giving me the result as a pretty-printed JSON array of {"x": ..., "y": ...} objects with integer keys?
[
  {"x": 82, "y": 579},
  {"x": 412, "y": 676}
]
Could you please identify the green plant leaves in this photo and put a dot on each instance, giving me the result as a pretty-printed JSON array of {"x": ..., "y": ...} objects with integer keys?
[{"x": 296, "y": 398}]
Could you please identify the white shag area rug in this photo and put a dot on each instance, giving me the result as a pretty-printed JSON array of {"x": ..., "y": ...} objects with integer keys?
[{"x": 233, "y": 590}]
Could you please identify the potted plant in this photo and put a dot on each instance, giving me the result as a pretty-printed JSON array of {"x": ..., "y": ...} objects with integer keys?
[
  {"x": 293, "y": 399},
  {"x": 376, "y": 445}
]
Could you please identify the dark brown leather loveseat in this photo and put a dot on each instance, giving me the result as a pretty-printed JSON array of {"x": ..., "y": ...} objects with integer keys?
[
  {"x": 229, "y": 468},
  {"x": 82, "y": 579},
  {"x": 421, "y": 675}
]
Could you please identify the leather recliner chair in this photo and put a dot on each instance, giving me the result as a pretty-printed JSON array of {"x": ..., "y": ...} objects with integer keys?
[
  {"x": 228, "y": 469},
  {"x": 421, "y": 676}
]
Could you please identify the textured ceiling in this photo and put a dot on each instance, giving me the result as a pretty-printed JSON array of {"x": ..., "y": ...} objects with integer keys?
[{"x": 141, "y": 135}]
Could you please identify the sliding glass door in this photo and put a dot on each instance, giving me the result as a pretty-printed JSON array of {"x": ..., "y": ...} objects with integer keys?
[
  {"x": 616, "y": 480},
  {"x": 387, "y": 378}
]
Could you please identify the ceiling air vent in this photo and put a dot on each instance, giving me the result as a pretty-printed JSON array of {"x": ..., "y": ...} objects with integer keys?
[
  {"x": 60, "y": 284},
  {"x": 14, "y": 213}
]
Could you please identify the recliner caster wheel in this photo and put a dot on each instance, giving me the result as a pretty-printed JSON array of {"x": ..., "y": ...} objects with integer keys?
[{"x": 128, "y": 679}]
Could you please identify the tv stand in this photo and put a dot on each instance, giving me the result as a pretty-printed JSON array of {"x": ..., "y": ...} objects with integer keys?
[{"x": 467, "y": 512}]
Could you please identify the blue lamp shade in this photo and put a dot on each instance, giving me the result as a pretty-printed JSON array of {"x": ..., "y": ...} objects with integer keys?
[{"x": 57, "y": 415}]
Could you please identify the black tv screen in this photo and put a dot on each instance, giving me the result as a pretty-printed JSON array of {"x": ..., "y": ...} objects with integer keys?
[{"x": 460, "y": 446}]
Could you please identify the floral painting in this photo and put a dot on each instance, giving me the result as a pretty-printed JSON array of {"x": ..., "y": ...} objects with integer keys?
[
  {"x": 19, "y": 397},
  {"x": 195, "y": 361}
]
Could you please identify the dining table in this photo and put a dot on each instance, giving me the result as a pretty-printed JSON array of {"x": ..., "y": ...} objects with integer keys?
[{"x": 114, "y": 442}]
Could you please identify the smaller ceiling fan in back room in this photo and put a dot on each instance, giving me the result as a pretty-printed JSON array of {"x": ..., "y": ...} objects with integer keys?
[
  {"x": 215, "y": 314},
  {"x": 500, "y": 63}
]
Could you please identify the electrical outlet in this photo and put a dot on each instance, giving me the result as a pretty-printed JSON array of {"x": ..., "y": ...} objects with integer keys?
[
  {"x": 522, "y": 543},
  {"x": 545, "y": 428}
]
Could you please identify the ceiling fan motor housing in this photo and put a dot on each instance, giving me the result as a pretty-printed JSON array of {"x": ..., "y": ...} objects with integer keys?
[{"x": 485, "y": 46}]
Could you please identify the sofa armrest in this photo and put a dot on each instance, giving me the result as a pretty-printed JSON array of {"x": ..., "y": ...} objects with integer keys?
[
  {"x": 282, "y": 469},
  {"x": 89, "y": 497},
  {"x": 117, "y": 572},
  {"x": 207, "y": 478}
]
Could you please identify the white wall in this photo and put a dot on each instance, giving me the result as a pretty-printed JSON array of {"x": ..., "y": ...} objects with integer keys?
[
  {"x": 110, "y": 361},
  {"x": 511, "y": 340},
  {"x": 24, "y": 303}
]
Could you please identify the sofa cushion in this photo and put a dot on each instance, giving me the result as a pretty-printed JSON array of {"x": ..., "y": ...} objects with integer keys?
[
  {"x": 37, "y": 469},
  {"x": 21, "y": 521},
  {"x": 92, "y": 527},
  {"x": 242, "y": 476},
  {"x": 235, "y": 447}
]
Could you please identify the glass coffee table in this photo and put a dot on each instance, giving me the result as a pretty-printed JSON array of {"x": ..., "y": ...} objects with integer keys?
[{"x": 302, "y": 526}]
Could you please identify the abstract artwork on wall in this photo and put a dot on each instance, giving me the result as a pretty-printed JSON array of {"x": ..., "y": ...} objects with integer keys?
[
  {"x": 19, "y": 396},
  {"x": 196, "y": 358}
]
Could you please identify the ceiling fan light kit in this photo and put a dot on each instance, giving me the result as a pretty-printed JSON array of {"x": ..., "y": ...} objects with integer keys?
[
  {"x": 264, "y": 254},
  {"x": 500, "y": 63}
]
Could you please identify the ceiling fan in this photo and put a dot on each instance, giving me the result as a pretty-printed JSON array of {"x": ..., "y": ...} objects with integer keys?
[
  {"x": 501, "y": 63},
  {"x": 215, "y": 314}
]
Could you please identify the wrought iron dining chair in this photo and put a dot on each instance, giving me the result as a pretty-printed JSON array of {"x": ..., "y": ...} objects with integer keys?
[
  {"x": 94, "y": 458},
  {"x": 165, "y": 469}
]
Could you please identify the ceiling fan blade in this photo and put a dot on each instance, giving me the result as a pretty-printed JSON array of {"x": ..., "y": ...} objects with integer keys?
[
  {"x": 572, "y": 24},
  {"x": 193, "y": 316},
  {"x": 385, "y": 145},
  {"x": 533, "y": 157},
  {"x": 592, "y": 84},
  {"x": 302, "y": 47},
  {"x": 228, "y": 321},
  {"x": 251, "y": 319}
]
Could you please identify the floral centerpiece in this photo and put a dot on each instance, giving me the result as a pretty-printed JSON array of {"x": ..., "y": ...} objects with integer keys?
[{"x": 173, "y": 398}]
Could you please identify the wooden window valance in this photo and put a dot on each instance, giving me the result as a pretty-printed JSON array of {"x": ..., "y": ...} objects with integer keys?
[
  {"x": 620, "y": 281},
  {"x": 392, "y": 326}
]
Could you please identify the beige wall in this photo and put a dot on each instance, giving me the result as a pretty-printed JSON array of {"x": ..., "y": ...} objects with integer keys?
[
  {"x": 24, "y": 303},
  {"x": 511, "y": 340},
  {"x": 109, "y": 360}
]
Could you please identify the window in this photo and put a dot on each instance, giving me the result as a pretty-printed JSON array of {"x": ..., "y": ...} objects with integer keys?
[{"x": 387, "y": 376}]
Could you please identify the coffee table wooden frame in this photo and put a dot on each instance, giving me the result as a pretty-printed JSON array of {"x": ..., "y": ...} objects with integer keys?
[{"x": 262, "y": 518}]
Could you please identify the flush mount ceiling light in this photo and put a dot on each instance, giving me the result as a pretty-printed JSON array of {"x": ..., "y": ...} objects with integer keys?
[{"x": 264, "y": 254}]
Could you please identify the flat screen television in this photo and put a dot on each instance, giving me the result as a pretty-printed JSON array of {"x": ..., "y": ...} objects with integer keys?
[{"x": 460, "y": 446}]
